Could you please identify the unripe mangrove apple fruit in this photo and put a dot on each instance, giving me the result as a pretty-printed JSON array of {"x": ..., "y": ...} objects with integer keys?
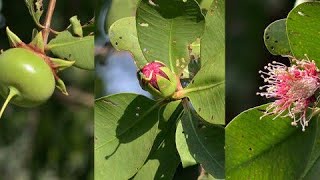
[
  {"x": 156, "y": 78},
  {"x": 25, "y": 78}
]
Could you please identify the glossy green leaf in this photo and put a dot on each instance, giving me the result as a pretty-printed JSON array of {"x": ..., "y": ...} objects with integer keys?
[
  {"x": 206, "y": 143},
  {"x": 207, "y": 90},
  {"x": 166, "y": 28},
  {"x": 303, "y": 27},
  {"x": 213, "y": 40},
  {"x": 163, "y": 159},
  {"x": 267, "y": 148},
  {"x": 207, "y": 95},
  {"x": 123, "y": 36},
  {"x": 275, "y": 38},
  {"x": 126, "y": 126},
  {"x": 78, "y": 49},
  {"x": 35, "y": 9},
  {"x": 183, "y": 149}
]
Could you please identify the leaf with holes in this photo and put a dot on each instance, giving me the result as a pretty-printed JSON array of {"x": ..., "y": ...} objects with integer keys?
[
  {"x": 182, "y": 147},
  {"x": 303, "y": 27},
  {"x": 78, "y": 49},
  {"x": 166, "y": 28},
  {"x": 275, "y": 38},
  {"x": 123, "y": 36},
  {"x": 126, "y": 126},
  {"x": 269, "y": 148},
  {"x": 35, "y": 9},
  {"x": 206, "y": 90},
  {"x": 163, "y": 159},
  {"x": 206, "y": 143}
]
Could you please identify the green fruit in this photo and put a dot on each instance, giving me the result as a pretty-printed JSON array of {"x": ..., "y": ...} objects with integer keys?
[{"x": 25, "y": 78}]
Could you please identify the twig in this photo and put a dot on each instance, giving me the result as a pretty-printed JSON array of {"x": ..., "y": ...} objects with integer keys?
[{"x": 47, "y": 22}]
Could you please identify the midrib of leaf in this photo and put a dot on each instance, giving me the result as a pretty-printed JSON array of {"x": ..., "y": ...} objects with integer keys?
[
  {"x": 202, "y": 145},
  {"x": 265, "y": 151},
  {"x": 201, "y": 88},
  {"x": 133, "y": 125},
  {"x": 68, "y": 43}
]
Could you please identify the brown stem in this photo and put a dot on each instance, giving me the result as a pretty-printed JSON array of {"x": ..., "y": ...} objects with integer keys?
[{"x": 47, "y": 22}]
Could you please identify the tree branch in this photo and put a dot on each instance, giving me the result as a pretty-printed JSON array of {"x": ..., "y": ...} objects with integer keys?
[{"x": 47, "y": 22}]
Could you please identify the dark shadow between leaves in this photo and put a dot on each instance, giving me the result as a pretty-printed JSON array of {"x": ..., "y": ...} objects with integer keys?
[
  {"x": 140, "y": 116},
  {"x": 164, "y": 145}
]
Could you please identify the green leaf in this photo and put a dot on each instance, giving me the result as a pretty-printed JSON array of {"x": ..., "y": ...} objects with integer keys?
[
  {"x": 206, "y": 93},
  {"x": 213, "y": 40},
  {"x": 166, "y": 28},
  {"x": 126, "y": 126},
  {"x": 267, "y": 148},
  {"x": 123, "y": 36},
  {"x": 275, "y": 38},
  {"x": 76, "y": 26},
  {"x": 35, "y": 9},
  {"x": 120, "y": 9},
  {"x": 207, "y": 90},
  {"x": 206, "y": 143},
  {"x": 182, "y": 147},
  {"x": 78, "y": 49},
  {"x": 303, "y": 29},
  {"x": 163, "y": 159}
]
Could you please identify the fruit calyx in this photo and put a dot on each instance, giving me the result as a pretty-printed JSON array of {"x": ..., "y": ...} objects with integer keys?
[{"x": 37, "y": 47}]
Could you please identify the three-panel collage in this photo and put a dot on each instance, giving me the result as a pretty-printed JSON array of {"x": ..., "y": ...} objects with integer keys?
[{"x": 159, "y": 90}]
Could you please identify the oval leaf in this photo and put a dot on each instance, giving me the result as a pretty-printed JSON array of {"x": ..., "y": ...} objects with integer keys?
[
  {"x": 123, "y": 36},
  {"x": 267, "y": 148},
  {"x": 78, "y": 49},
  {"x": 166, "y": 28},
  {"x": 303, "y": 27},
  {"x": 275, "y": 38},
  {"x": 206, "y": 91}
]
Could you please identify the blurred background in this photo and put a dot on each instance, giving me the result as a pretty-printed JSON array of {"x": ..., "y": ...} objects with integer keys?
[
  {"x": 246, "y": 53},
  {"x": 54, "y": 140}
]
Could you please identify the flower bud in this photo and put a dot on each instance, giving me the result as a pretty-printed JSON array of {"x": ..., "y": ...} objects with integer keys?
[{"x": 156, "y": 78}]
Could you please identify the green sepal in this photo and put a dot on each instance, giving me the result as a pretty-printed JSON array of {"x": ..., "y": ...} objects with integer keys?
[
  {"x": 14, "y": 40},
  {"x": 37, "y": 42},
  {"x": 167, "y": 87},
  {"x": 76, "y": 26},
  {"x": 34, "y": 33},
  {"x": 61, "y": 86},
  {"x": 61, "y": 64}
]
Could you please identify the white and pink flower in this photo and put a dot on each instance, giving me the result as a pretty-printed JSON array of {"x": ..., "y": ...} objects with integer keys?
[{"x": 293, "y": 89}]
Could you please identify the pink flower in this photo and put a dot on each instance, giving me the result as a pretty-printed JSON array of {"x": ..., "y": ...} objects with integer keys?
[{"x": 293, "y": 89}]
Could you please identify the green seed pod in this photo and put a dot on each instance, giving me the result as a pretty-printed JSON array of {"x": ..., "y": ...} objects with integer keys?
[
  {"x": 156, "y": 78},
  {"x": 25, "y": 78}
]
